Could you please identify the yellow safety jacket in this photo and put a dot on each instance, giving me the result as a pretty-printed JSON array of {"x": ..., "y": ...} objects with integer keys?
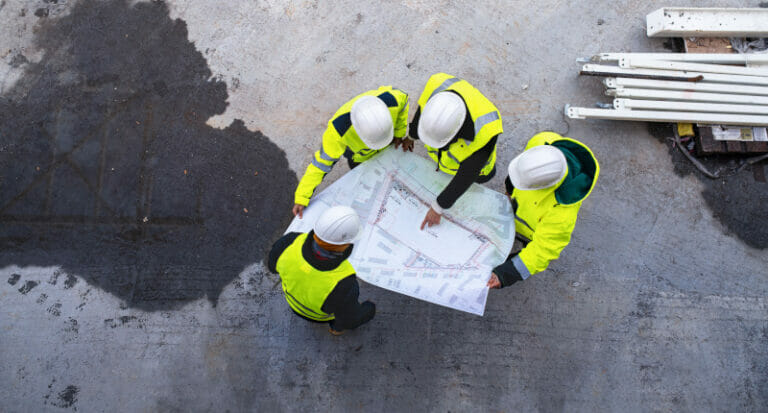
[
  {"x": 547, "y": 216},
  {"x": 306, "y": 288},
  {"x": 340, "y": 135},
  {"x": 485, "y": 117}
]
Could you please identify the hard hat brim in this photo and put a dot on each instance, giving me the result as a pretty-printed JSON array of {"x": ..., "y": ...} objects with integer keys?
[
  {"x": 427, "y": 137},
  {"x": 380, "y": 145},
  {"x": 350, "y": 240},
  {"x": 517, "y": 180}
]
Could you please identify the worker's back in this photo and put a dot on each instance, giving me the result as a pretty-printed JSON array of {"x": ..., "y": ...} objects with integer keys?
[{"x": 306, "y": 287}]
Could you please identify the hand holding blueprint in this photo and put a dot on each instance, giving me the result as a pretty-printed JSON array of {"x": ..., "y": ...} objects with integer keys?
[{"x": 448, "y": 264}]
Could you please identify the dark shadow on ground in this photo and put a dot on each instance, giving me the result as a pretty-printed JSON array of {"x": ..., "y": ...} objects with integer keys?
[
  {"x": 108, "y": 168},
  {"x": 738, "y": 199}
]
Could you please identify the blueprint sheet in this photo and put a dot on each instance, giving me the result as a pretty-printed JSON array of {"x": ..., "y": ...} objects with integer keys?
[{"x": 448, "y": 264}]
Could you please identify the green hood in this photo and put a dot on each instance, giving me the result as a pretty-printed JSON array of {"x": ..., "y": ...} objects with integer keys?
[{"x": 582, "y": 172}]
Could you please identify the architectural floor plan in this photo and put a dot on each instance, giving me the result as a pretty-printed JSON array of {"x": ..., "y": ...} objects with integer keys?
[{"x": 448, "y": 264}]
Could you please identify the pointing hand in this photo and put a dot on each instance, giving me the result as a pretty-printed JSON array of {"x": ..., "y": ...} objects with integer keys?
[{"x": 432, "y": 218}]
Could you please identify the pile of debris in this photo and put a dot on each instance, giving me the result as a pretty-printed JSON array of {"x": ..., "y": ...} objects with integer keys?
[{"x": 717, "y": 95}]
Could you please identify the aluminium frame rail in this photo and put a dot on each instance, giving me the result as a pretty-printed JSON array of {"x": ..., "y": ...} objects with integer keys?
[
  {"x": 613, "y": 82},
  {"x": 713, "y": 58},
  {"x": 636, "y": 104},
  {"x": 624, "y": 92},
  {"x": 707, "y": 22},
  {"x": 613, "y": 71},
  {"x": 639, "y": 63},
  {"x": 664, "y": 116}
]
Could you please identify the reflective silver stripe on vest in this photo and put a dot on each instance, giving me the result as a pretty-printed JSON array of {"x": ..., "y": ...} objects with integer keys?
[
  {"x": 520, "y": 267},
  {"x": 321, "y": 166},
  {"x": 445, "y": 85},
  {"x": 440, "y": 161},
  {"x": 304, "y": 308},
  {"x": 485, "y": 119},
  {"x": 325, "y": 156},
  {"x": 450, "y": 155},
  {"x": 405, "y": 105}
]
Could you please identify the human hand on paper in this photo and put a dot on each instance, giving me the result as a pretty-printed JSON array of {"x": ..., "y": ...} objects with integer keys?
[
  {"x": 432, "y": 218},
  {"x": 407, "y": 143},
  {"x": 298, "y": 209},
  {"x": 494, "y": 282}
]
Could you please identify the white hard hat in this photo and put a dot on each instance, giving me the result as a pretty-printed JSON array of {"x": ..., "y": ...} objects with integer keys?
[
  {"x": 338, "y": 225},
  {"x": 372, "y": 122},
  {"x": 537, "y": 168},
  {"x": 441, "y": 119}
]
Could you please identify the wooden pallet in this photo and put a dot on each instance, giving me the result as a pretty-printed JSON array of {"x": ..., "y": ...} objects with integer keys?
[{"x": 707, "y": 145}]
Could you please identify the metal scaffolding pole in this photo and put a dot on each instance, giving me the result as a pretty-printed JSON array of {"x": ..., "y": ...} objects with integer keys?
[
  {"x": 663, "y": 116},
  {"x": 632, "y": 104},
  {"x": 652, "y": 94},
  {"x": 613, "y": 82},
  {"x": 707, "y": 22},
  {"x": 631, "y": 62},
  {"x": 606, "y": 70},
  {"x": 716, "y": 58}
]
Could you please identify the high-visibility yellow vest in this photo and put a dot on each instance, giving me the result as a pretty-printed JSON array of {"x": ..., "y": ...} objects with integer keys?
[
  {"x": 340, "y": 136},
  {"x": 542, "y": 219},
  {"x": 485, "y": 117},
  {"x": 305, "y": 287}
]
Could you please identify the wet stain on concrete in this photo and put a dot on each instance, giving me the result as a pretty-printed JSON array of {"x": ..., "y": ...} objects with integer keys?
[
  {"x": 55, "y": 309},
  {"x": 645, "y": 306},
  {"x": 54, "y": 277},
  {"x": 18, "y": 60},
  {"x": 14, "y": 278},
  {"x": 70, "y": 326},
  {"x": 28, "y": 286},
  {"x": 67, "y": 397},
  {"x": 70, "y": 281},
  {"x": 112, "y": 173},
  {"x": 736, "y": 199},
  {"x": 123, "y": 320}
]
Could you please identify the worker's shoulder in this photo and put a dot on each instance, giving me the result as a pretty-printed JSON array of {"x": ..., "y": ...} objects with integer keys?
[
  {"x": 347, "y": 284},
  {"x": 286, "y": 240}
]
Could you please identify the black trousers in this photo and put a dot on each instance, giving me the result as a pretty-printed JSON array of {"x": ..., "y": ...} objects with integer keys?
[{"x": 330, "y": 323}]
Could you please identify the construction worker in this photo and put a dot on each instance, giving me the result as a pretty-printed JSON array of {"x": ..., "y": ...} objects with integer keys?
[
  {"x": 459, "y": 127},
  {"x": 547, "y": 184},
  {"x": 318, "y": 281},
  {"x": 358, "y": 130}
]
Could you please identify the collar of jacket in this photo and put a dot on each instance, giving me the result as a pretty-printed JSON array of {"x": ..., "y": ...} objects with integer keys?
[{"x": 326, "y": 265}]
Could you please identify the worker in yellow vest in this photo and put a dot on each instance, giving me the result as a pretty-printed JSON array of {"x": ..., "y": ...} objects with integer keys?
[
  {"x": 547, "y": 184},
  {"x": 459, "y": 127},
  {"x": 318, "y": 281},
  {"x": 358, "y": 130}
]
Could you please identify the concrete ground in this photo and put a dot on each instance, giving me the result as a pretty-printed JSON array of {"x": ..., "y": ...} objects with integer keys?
[{"x": 148, "y": 155}]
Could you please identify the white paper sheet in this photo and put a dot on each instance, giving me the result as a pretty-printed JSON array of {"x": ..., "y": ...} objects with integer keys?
[{"x": 448, "y": 264}]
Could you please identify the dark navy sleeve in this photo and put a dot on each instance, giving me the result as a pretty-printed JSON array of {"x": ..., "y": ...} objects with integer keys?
[
  {"x": 413, "y": 131},
  {"x": 277, "y": 249},
  {"x": 468, "y": 172},
  {"x": 507, "y": 273},
  {"x": 343, "y": 303}
]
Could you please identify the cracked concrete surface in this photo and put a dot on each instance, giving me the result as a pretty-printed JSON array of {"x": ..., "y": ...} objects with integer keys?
[{"x": 198, "y": 115}]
